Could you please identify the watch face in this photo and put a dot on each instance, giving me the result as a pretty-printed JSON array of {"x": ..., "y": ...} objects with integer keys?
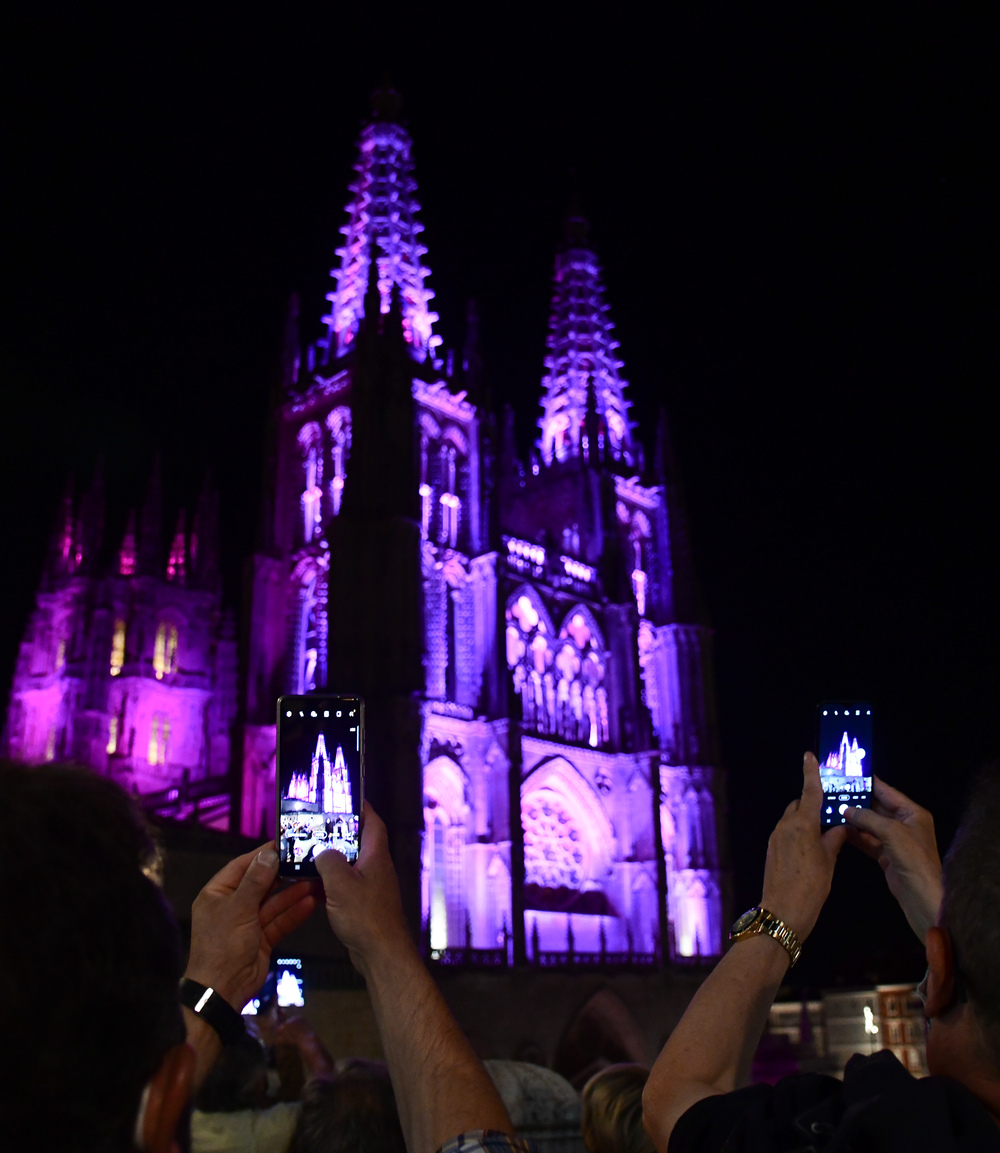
[{"x": 746, "y": 920}]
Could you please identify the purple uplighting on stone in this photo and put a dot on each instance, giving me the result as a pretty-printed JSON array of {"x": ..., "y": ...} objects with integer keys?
[
  {"x": 383, "y": 222},
  {"x": 582, "y": 363},
  {"x": 541, "y": 718}
]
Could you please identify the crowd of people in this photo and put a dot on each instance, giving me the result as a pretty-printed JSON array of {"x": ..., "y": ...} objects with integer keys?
[{"x": 112, "y": 1043}]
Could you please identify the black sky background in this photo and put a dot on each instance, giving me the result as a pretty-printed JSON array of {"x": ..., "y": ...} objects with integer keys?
[{"x": 796, "y": 216}]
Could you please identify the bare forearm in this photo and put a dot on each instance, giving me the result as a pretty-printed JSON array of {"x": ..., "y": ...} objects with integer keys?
[
  {"x": 441, "y": 1086},
  {"x": 711, "y": 1048}
]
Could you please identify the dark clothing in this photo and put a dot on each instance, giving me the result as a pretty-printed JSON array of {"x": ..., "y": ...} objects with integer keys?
[{"x": 878, "y": 1108}]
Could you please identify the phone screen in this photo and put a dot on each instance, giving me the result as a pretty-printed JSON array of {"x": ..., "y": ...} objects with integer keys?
[
  {"x": 845, "y": 758},
  {"x": 320, "y": 780},
  {"x": 288, "y": 984}
]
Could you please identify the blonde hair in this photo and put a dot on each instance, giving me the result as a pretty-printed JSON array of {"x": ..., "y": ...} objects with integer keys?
[{"x": 612, "y": 1111}]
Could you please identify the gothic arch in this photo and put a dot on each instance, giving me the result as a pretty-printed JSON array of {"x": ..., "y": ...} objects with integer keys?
[
  {"x": 456, "y": 438},
  {"x": 309, "y": 436},
  {"x": 429, "y": 426},
  {"x": 568, "y": 837},
  {"x": 527, "y": 591},
  {"x": 566, "y": 629},
  {"x": 446, "y": 787}
]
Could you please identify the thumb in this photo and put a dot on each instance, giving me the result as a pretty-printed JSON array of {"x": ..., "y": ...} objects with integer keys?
[
  {"x": 259, "y": 876},
  {"x": 871, "y": 822},
  {"x": 334, "y": 870}
]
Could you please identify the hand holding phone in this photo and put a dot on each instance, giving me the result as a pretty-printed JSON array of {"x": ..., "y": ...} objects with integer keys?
[
  {"x": 845, "y": 758},
  {"x": 320, "y": 780}
]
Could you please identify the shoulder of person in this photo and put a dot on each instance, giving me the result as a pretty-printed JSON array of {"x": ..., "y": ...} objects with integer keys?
[{"x": 878, "y": 1106}]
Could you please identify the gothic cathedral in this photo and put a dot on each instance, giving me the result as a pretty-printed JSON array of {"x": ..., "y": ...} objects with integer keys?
[{"x": 541, "y": 735}]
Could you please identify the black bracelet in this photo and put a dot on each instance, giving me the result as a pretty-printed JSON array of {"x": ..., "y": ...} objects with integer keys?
[{"x": 213, "y": 1009}]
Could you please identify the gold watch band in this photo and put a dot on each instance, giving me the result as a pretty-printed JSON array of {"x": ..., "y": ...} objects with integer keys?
[{"x": 767, "y": 922}]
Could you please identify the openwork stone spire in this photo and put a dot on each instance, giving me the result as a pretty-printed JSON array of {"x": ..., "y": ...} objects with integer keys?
[
  {"x": 383, "y": 220},
  {"x": 581, "y": 353}
]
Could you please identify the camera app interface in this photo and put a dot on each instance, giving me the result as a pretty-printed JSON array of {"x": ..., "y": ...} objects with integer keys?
[
  {"x": 845, "y": 742},
  {"x": 319, "y": 785},
  {"x": 288, "y": 984}
]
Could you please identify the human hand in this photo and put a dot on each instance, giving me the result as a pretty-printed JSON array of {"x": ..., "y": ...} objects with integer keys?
[
  {"x": 801, "y": 858},
  {"x": 899, "y": 834},
  {"x": 297, "y": 1032},
  {"x": 362, "y": 900},
  {"x": 238, "y": 918}
]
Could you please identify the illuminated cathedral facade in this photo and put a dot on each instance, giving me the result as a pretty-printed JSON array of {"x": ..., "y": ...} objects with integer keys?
[{"x": 541, "y": 734}]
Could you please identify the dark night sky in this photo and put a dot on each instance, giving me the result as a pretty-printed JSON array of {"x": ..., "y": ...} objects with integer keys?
[{"x": 797, "y": 224}]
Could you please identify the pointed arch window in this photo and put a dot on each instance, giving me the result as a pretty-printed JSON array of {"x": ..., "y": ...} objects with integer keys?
[
  {"x": 112, "y": 746},
  {"x": 446, "y": 813},
  {"x": 581, "y": 664},
  {"x": 339, "y": 424},
  {"x": 453, "y": 452},
  {"x": 159, "y": 739},
  {"x": 165, "y": 649},
  {"x": 118, "y": 648},
  {"x": 529, "y": 637},
  {"x": 310, "y": 440}
]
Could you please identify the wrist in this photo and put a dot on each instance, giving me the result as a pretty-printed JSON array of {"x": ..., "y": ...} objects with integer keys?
[
  {"x": 801, "y": 923},
  {"x": 765, "y": 953},
  {"x": 227, "y": 989}
]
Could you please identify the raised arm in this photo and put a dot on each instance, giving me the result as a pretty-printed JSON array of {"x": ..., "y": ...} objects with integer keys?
[
  {"x": 441, "y": 1086},
  {"x": 236, "y": 921},
  {"x": 711, "y": 1049},
  {"x": 899, "y": 834}
]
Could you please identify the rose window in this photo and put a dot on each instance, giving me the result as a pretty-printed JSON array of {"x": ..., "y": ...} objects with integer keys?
[{"x": 555, "y": 855}]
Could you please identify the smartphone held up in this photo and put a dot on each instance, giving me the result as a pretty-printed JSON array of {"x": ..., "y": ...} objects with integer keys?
[
  {"x": 845, "y": 758},
  {"x": 320, "y": 780}
]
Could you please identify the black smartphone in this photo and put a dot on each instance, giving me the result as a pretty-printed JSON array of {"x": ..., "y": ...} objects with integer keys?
[
  {"x": 320, "y": 780},
  {"x": 288, "y": 985},
  {"x": 844, "y": 749}
]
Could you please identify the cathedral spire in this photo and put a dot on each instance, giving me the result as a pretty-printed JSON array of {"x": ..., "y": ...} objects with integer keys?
[
  {"x": 383, "y": 219},
  {"x": 581, "y": 350}
]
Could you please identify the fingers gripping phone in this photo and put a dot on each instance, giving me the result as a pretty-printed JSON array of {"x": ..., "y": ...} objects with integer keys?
[
  {"x": 320, "y": 780},
  {"x": 844, "y": 749}
]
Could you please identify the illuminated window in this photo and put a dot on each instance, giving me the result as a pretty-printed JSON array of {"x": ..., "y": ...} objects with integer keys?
[
  {"x": 529, "y": 658},
  {"x": 113, "y": 736},
  {"x": 639, "y": 536},
  {"x": 339, "y": 424},
  {"x": 425, "y": 509},
  {"x": 560, "y": 679},
  {"x": 60, "y": 655},
  {"x": 451, "y": 506},
  {"x": 50, "y": 744},
  {"x": 117, "y": 651},
  {"x": 165, "y": 650},
  {"x": 439, "y": 905},
  {"x": 159, "y": 738},
  {"x": 311, "y": 444}
]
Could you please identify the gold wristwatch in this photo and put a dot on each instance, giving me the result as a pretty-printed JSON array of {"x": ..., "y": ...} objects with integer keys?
[{"x": 757, "y": 920}]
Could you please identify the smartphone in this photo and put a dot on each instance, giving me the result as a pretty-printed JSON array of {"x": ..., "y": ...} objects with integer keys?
[
  {"x": 320, "y": 780},
  {"x": 844, "y": 749},
  {"x": 288, "y": 984},
  {"x": 260, "y": 999}
]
